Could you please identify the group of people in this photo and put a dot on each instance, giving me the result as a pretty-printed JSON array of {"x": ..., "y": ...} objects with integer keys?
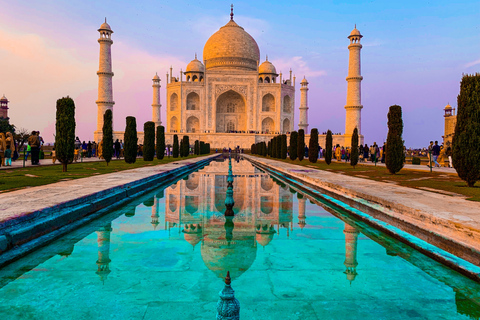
[
  {"x": 34, "y": 144},
  {"x": 7, "y": 149},
  {"x": 436, "y": 155}
]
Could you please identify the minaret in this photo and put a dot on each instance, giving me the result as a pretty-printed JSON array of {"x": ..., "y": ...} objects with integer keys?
[
  {"x": 354, "y": 104},
  {"x": 303, "y": 124},
  {"x": 4, "y": 107},
  {"x": 156, "y": 101},
  {"x": 103, "y": 241},
  {"x": 155, "y": 213},
  {"x": 105, "y": 74},
  {"x": 351, "y": 235}
]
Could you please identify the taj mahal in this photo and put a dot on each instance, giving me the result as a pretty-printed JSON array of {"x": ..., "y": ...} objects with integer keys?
[{"x": 231, "y": 98}]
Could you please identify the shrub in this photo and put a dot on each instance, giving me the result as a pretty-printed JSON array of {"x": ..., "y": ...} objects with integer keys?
[
  {"x": 301, "y": 144},
  {"x": 65, "y": 131},
  {"x": 148, "y": 141},
  {"x": 160, "y": 142},
  {"x": 354, "y": 149},
  {"x": 394, "y": 156},
  {"x": 196, "y": 149},
  {"x": 186, "y": 146},
  {"x": 328, "y": 147},
  {"x": 175, "y": 146},
  {"x": 466, "y": 141},
  {"x": 293, "y": 145},
  {"x": 131, "y": 140},
  {"x": 313, "y": 146},
  {"x": 107, "y": 140},
  {"x": 181, "y": 149},
  {"x": 416, "y": 160}
]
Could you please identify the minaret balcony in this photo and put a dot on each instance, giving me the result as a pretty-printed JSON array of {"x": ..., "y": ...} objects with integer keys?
[{"x": 354, "y": 78}]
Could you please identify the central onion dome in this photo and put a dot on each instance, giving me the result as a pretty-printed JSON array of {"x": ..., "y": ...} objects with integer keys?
[{"x": 231, "y": 47}]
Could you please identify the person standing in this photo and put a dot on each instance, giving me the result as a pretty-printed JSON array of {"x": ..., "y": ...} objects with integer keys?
[
  {"x": 34, "y": 143},
  {"x": 448, "y": 153},
  {"x": 436, "y": 153},
  {"x": 117, "y": 149},
  {"x": 8, "y": 156}
]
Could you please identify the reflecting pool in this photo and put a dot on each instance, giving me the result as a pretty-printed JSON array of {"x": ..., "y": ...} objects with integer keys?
[{"x": 166, "y": 255}]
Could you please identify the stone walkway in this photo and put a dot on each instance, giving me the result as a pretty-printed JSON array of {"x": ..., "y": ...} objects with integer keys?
[
  {"x": 46, "y": 162},
  {"x": 451, "y": 218},
  {"x": 421, "y": 167}
]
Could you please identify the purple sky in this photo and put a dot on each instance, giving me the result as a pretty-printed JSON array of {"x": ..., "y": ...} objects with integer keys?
[{"x": 413, "y": 55}]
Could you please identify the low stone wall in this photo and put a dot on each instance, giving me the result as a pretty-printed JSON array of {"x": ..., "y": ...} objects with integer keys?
[
  {"x": 33, "y": 217},
  {"x": 449, "y": 223}
]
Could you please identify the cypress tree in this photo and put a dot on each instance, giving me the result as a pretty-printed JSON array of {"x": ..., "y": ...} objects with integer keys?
[
  {"x": 269, "y": 148},
  {"x": 301, "y": 144},
  {"x": 65, "y": 131},
  {"x": 107, "y": 140},
  {"x": 293, "y": 145},
  {"x": 131, "y": 140},
  {"x": 252, "y": 148},
  {"x": 394, "y": 154},
  {"x": 175, "y": 146},
  {"x": 186, "y": 146},
  {"x": 196, "y": 149},
  {"x": 466, "y": 141},
  {"x": 264, "y": 149},
  {"x": 283, "y": 147},
  {"x": 202, "y": 147},
  {"x": 354, "y": 149},
  {"x": 328, "y": 147},
  {"x": 149, "y": 141},
  {"x": 160, "y": 142},
  {"x": 313, "y": 146},
  {"x": 182, "y": 149}
]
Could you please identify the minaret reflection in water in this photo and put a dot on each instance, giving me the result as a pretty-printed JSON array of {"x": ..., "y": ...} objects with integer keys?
[{"x": 103, "y": 241}]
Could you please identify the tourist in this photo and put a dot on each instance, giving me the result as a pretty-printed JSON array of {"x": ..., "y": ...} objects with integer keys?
[
  {"x": 117, "y": 146},
  {"x": 8, "y": 156},
  {"x": 429, "y": 153},
  {"x": 365, "y": 152},
  {"x": 34, "y": 143},
  {"x": 383, "y": 153},
  {"x": 436, "y": 153},
  {"x": 338, "y": 153},
  {"x": 94, "y": 149},
  {"x": 29, "y": 150},
  {"x": 373, "y": 152},
  {"x": 89, "y": 149},
  {"x": 448, "y": 153},
  {"x": 78, "y": 143}
]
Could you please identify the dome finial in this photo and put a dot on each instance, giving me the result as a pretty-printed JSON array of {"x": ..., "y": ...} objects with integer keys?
[
  {"x": 228, "y": 280},
  {"x": 105, "y": 19},
  {"x": 267, "y": 57},
  {"x": 195, "y": 56},
  {"x": 231, "y": 12},
  {"x": 355, "y": 26}
]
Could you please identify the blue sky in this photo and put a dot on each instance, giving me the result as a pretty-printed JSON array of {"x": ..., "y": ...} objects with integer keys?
[{"x": 414, "y": 54}]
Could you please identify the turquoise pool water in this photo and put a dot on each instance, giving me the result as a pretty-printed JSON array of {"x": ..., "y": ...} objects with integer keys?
[{"x": 165, "y": 257}]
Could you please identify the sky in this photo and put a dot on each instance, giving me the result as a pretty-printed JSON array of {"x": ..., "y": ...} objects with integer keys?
[{"x": 414, "y": 54}]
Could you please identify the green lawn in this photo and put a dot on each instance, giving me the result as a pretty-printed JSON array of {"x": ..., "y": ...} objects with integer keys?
[
  {"x": 15, "y": 179},
  {"x": 411, "y": 178}
]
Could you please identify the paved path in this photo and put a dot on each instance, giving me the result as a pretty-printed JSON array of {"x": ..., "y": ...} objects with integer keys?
[
  {"x": 46, "y": 162},
  {"x": 420, "y": 167}
]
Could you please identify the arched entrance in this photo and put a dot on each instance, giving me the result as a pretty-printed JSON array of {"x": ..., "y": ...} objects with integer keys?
[
  {"x": 173, "y": 102},
  {"x": 268, "y": 103},
  {"x": 268, "y": 125},
  {"x": 231, "y": 112},
  {"x": 287, "y": 104},
  {"x": 193, "y": 124},
  {"x": 193, "y": 101},
  {"x": 173, "y": 124},
  {"x": 286, "y": 125}
]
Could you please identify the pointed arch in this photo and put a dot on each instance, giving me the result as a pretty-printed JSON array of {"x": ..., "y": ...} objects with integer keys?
[
  {"x": 287, "y": 104},
  {"x": 173, "y": 102},
  {"x": 268, "y": 103},
  {"x": 193, "y": 101}
]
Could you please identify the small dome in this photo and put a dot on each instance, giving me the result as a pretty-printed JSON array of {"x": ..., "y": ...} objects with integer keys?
[
  {"x": 267, "y": 67},
  {"x": 193, "y": 238},
  {"x": 304, "y": 81},
  {"x": 448, "y": 107},
  {"x": 195, "y": 66},
  {"x": 4, "y": 98},
  {"x": 355, "y": 32},
  {"x": 156, "y": 77},
  {"x": 264, "y": 238},
  {"x": 105, "y": 26}
]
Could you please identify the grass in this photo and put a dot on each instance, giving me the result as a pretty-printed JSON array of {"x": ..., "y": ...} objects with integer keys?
[
  {"x": 441, "y": 182},
  {"x": 16, "y": 179}
]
